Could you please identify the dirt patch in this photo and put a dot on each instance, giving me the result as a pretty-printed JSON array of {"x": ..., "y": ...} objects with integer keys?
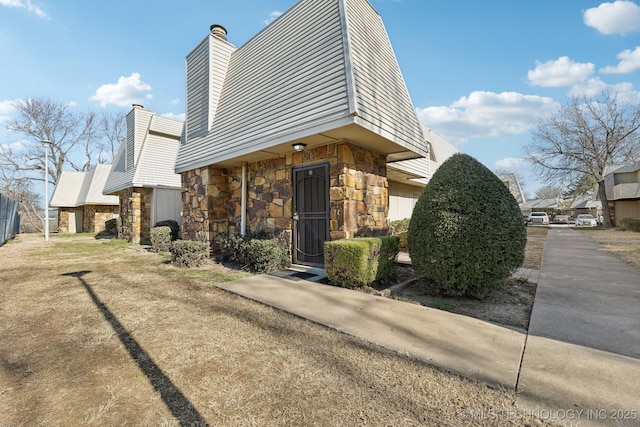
[
  {"x": 510, "y": 305},
  {"x": 94, "y": 333}
]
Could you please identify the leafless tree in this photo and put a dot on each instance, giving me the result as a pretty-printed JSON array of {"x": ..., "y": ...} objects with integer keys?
[
  {"x": 113, "y": 127},
  {"x": 20, "y": 189},
  {"x": 582, "y": 138},
  {"x": 78, "y": 142},
  {"x": 549, "y": 192},
  {"x": 73, "y": 136}
]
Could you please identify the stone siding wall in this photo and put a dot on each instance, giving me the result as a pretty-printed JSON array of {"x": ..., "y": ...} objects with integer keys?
[
  {"x": 135, "y": 214},
  {"x": 359, "y": 193},
  {"x": 359, "y": 199},
  {"x": 96, "y": 217},
  {"x": 63, "y": 219}
]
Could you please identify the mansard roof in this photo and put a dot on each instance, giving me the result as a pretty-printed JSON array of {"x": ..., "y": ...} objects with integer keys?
[
  {"x": 324, "y": 71},
  {"x": 146, "y": 158},
  {"x": 82, "y": 188}
]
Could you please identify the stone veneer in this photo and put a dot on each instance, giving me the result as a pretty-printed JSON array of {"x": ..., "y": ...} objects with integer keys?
[
  {"x": 94, "y": 218},
  {"x": 63, "y": 218},
  {"x": 359, "y": 199},
  {"x": 135, "y": 214}
]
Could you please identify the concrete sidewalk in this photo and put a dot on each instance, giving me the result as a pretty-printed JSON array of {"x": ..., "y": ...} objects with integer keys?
[
  {"x": 470, "y": 347},
  {"x": 581, "y": 353},
  {"x": 583, "y": 348}
]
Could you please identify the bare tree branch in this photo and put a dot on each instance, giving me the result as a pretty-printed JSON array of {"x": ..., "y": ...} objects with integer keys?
[{"x": 583, "y": 138}]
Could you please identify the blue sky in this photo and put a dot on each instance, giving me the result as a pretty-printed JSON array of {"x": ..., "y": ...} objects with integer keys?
[{"x": 480, "y": 73}]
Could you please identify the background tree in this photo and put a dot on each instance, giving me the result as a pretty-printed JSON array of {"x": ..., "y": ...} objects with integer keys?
[
  {"x": 113, "y": 128},
  {"x": 582, "y": 138},
  {"x": 582, "y": 186},
  {"x": 549, "y": 192},
  {"x": 79, "y": 141},
  {"x": 20, "y": 189}
]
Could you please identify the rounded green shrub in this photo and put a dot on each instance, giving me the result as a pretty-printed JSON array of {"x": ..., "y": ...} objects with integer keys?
[{"x": 466, "y": 234}]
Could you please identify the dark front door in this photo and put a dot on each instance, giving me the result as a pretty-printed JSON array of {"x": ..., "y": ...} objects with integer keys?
[{"x": 311, "y": 213}]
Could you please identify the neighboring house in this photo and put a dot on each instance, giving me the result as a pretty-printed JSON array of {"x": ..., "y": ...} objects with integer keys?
[
  {"x": 622, "y": 185},
  {"x": 294, "y": 132},
  {"x": 143, "y": 176},
  {"x": 81, "y": 205},
  {"x": 408, "y": 178},
  {"x": 512, "y": 183},
  {"x": 584, "y": 205},
  {"x": 540, "y": 205}
]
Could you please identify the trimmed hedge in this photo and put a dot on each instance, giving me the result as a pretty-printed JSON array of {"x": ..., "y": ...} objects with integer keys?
[
  {"x": 187, "y": 253},
  {"x": 361, "y": 261},
  {"x": 631, "y": 224},
  {"x": 466, "y": 234},
  {"x": 257, "y": 255},
  {"x": 161, "y": 239}
]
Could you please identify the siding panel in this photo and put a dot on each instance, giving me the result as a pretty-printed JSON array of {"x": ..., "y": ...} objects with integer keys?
[
  {"x": 382, "y": 96},
  {"x": 276, "y": 83}
]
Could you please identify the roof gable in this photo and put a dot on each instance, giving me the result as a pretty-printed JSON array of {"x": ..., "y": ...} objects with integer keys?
[
  {"x": 418, "y": 172},
  {"x": 278, "y": 90},
  {"x": 82, "y": 188},
  {"x": 146, "y": 158}
]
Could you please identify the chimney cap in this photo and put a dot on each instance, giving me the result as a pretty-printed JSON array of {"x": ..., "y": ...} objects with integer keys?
[{"x": 219, "y": 31}]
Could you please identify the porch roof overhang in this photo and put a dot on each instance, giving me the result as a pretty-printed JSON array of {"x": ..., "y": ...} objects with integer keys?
[{"x": 347, "y": 130}]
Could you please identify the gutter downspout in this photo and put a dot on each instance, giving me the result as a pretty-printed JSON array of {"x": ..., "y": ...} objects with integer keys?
[{"x": 243, "y": 202}]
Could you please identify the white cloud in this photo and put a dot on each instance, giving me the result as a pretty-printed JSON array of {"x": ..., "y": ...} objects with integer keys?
[
  {"x": 629, "y": 62},
  {"x": 16, "y": 146},
  {"x": 510, "y": 164},
  {"x": 174, "y": 116},
  {"x": 7, "y": 107},
  {"x": 596, "y": 86},
  {"x": 128, "y": 90},
  {"x": 25, "y": 5},
  {"x": 486, "y": 114},
  {"x": 561, "y": 72},
  {"x": 611, "y": 18},
  {"x": 175, "y": 101},
  {"x": 272, "y": 17}
]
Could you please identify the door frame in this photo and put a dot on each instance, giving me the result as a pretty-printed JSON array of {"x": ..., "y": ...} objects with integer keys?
[{"x": 296, "y": 214}]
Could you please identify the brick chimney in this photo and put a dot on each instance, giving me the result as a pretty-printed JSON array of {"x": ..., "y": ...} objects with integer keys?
[{"x": 219, "y": 31}]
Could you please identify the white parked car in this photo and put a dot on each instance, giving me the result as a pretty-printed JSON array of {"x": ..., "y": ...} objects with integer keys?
[
  {"x": 586, "y": 219},
  {"x": 538, "y": 218}
]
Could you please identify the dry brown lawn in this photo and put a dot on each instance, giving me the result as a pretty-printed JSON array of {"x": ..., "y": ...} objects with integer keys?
[
  {"x": 624, "y": 244},
  {"x": 94, "y": 333}
]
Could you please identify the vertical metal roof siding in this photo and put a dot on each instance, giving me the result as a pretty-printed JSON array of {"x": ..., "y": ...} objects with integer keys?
[
  {"x": 157, "y": 141},
  {"x": 156, "y": 163},
  {"x": 382, "y": 95},
  {"x": 197, "y": 97},
  {"x": 220, "y": 54},
  {"x": 312, "y": 68},
  {"x": 288, "y": 77}
]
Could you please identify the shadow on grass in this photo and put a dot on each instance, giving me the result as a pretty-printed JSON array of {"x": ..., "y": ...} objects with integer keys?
[
  {"x": 104, "y": 235},
  {"x": 177, "y": 403}
]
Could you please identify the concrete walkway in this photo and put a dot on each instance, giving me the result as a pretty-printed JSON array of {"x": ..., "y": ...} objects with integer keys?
[
  {"x": 583, "y": 348},
  {"x": 579, "y": 364}
]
